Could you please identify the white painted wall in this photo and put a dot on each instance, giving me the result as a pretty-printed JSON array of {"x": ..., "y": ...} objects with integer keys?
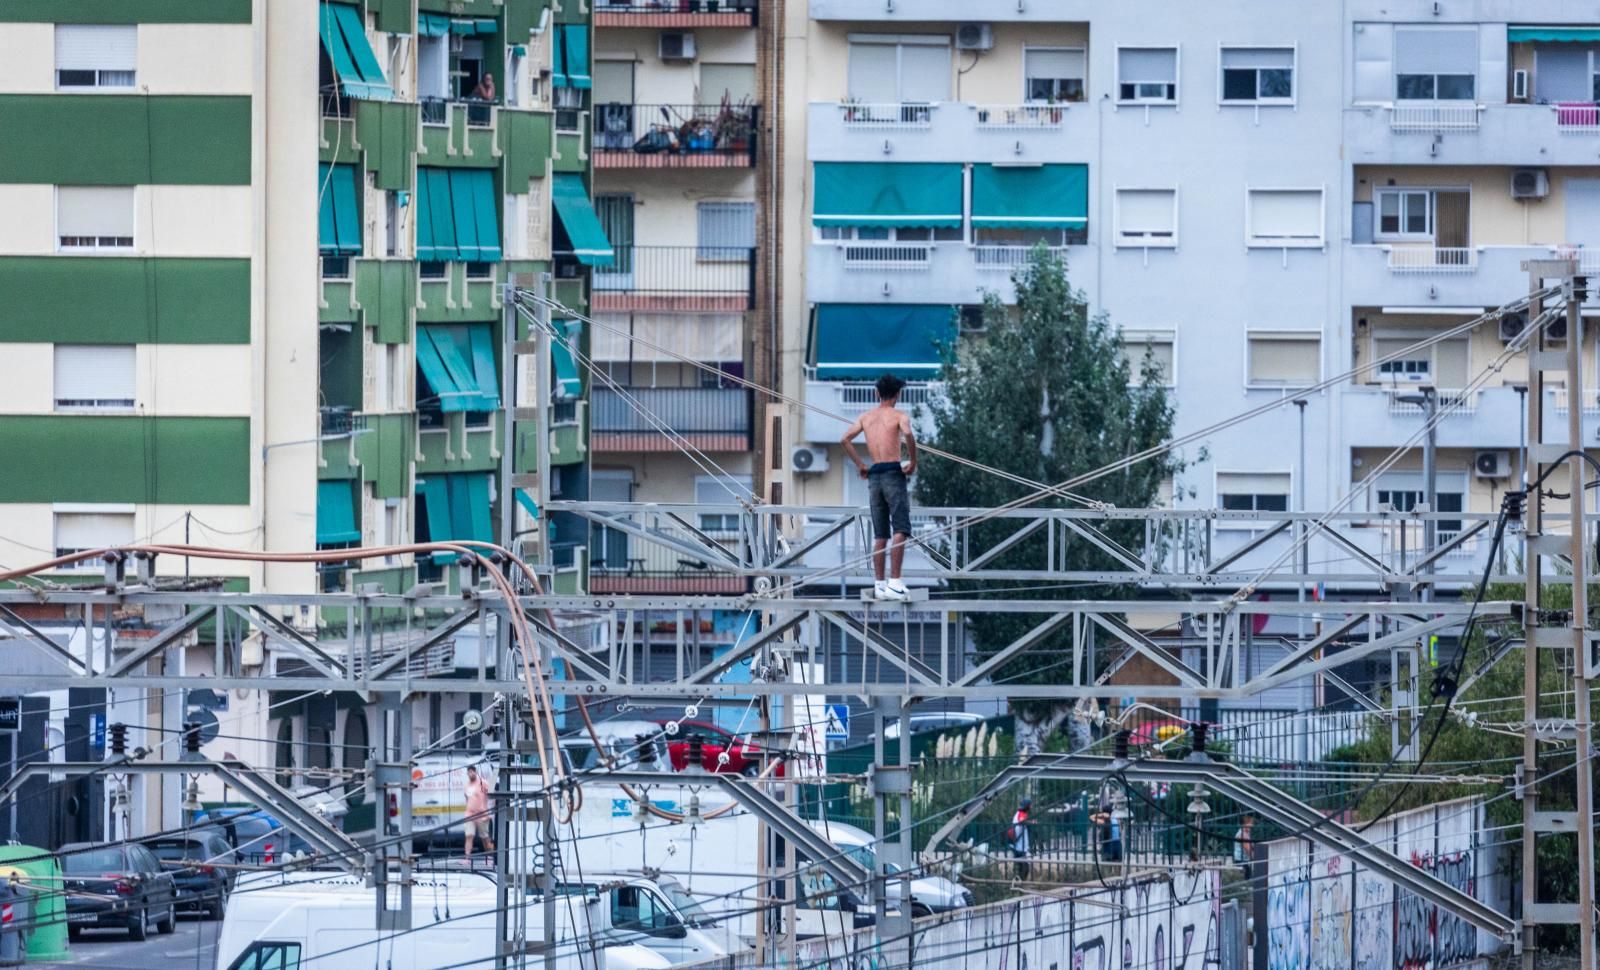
[
  {"x": 195, "y": 58},
  {"x": 27, "y": 533},
  {"x": 27, "y": 58},
  {"x": 170, "y": 220}
]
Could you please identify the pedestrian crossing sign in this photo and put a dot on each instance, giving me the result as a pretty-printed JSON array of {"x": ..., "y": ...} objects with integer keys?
[{"x": 838, "y": 722}]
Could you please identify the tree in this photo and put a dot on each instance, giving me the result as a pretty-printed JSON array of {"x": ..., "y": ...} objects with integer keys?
[{"x": 1045, "y": 393}]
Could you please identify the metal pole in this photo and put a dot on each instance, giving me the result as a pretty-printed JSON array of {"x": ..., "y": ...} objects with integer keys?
[
  {"x": 1576, "y": 475},
  {"x": 1300, "y": 506},
  {"x": 542, "y": 396},
  {"x": 1430, "y": 482},
  {"x": 508, "y": 411}
]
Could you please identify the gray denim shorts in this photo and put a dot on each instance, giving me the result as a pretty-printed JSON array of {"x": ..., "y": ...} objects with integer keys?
[{"x": 890, "y": 504}]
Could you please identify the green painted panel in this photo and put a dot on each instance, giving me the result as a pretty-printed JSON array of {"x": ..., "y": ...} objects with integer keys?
[
  {"x": 125, "y": 458},
  {"x": 385, "y": 453},
  {"x": 477, "y": 308},
  {"x": 521, "y": 17},
  {"x": 573, "y": 13},
  {"x": 338, "y": 137},
  {"x": 73, "y": 299},
  {"x": 525, "y": 144},
  {"x": 337, "y": 462},
  {"x": 437, "y": 139},
  {"x": 570, "y": 145},
  {"x": 337, "y": 294},
  {"x": 387, "y": 132},
  {"x": 387, "y": 292},
  {"x": 476, "y": 456},
  {"x": 393, "y": 16},
  {"x": 340, "y": 360},
  {"x": 564, "y": 445},
  {"x": 462, "y": 8},
  {"x": 125, "y": 139},
  {"x": 126, "y": 11}
]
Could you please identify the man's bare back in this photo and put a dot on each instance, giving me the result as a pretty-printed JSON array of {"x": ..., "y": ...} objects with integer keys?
[{"x": 883, "y": 427}]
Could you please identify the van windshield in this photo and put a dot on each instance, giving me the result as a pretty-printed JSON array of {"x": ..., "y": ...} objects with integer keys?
[
  {"x": 861, "y": 854},
  {"x": 693, "y": 911}
]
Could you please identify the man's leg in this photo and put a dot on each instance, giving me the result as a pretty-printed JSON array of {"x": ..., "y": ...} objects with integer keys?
[
  {"x": 897, "y": 555},
  {"x": 899, "y": 501},
  {"x": 877, "y": 559},
  {"x": 472, "y": 827}
]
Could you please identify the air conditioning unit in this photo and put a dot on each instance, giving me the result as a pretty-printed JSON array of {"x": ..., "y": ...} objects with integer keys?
[
  {"x": 1556, "y": 330},
  {"x": 974, "y": 37},
  {"x": 1492, "y": 464},
  {"x": 1512, "y": 323},
  {"x": 676, "y": 45},
  {"x": 1519, "y": 86},
  {"x": 1529, "y": 183},
  {"x": 808, "y": 460}
]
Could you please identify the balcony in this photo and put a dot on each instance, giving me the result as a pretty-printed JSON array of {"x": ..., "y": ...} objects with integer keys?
[
  {"x": 1472, "y": 134},
  {"x": 917, "y": 12},
  {"x": 459, "y": 132},
  {"x": 706, "y": 279},
  {"x": 661, "y": 14},
  {"x": 1433, "y": 259},
  {"x": 950, "y": 131},
  {"x": 1483, "y": 276},
  {"x": 1432, "y": 117},
  {"x": 675, "y": 135},
  {"x": 940, "y": 272},
  {"x": 851, "y": 399},
  {"x": 1377, "y": 417},
  {"x": 646, "y": 419}
]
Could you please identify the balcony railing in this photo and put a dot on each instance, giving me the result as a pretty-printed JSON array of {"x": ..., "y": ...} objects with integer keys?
[
  {"x": 887, "y": 116},
  {"x": 1429, "y": 116},
  {"x": 863, "y": 397},
  {"x": 1012, "y": 117},
  {"x": 436, "y": 111},
  {"x": 1453, "y": 403},
  {"x": 675, "y": 13},
  {"x": 1433, "y": 259},
  {"x": 1006, "y": 258},
  {"x": 913, "y": 256},
  {"x": 676, "y": 135},
  {"x": 1578, "y": 118},
  {"x": 640, "y": 418},
  {"x": 702, "y": 278}
]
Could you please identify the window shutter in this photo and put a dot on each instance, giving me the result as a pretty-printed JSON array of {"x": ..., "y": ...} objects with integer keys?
[
  {"x": 1436, "y": 50},
  {"x": 709, "y": 490},
  {"x": 1279, "y": 57},
  {"x": 875, "y": 73},
  {"x": 96, "y": 47},
  {"x": 1450, "y": 370},
  {"x": 1054, "y": 63},
  {"x": 1159, "y": 345},
  {"x": 924, "y": 72},
  {"x": 1286, "y": 215},
  {"x": 1284, "y": 360},
  {"x": 1153, "y": 65},
  {"x": 94, "y": 210},
  {"x": 93, "y": 530},
  {"x": 1145, "y": 210},
  {"x": 736, "y": 82},
  {"x": 94, "y": 372},
  {"x": 1252, "y": 483},
  {"x": 727, "y": 230}
]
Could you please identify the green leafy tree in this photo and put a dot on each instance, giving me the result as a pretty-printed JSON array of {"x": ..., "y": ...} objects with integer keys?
[{"x": 1045, "y": 393}]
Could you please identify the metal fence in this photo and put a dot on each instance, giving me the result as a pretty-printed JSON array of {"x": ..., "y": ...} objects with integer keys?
[
  {"x": 702, "y": 278},
  {"x": 639, "y": 418},
  {"x": 676, "y": 135}
]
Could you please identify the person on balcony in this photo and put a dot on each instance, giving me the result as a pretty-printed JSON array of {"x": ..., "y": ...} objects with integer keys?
[
  {"x": 885, "y": 426},
  {"x": 485, "y": 89}
]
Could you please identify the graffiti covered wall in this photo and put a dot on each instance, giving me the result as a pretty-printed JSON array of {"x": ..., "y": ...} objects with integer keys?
[{"x": 1325, "y": 912}]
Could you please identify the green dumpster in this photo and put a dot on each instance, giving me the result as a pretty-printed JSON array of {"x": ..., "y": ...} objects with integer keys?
[{"x": 39, "y": 871}]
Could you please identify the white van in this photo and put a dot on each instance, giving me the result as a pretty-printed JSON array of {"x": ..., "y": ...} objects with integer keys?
[{"x": 276, "y": 921}]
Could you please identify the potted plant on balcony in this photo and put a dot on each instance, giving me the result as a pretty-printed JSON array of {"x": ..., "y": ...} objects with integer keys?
[{"x": 734, "y": 125}]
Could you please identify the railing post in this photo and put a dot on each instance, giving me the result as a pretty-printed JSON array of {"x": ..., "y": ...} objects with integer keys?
[
  {"x": 750, "y": 280},
  {"x": 755, "y": 130}
]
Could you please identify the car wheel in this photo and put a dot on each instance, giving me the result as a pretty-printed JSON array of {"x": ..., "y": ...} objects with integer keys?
[
  {"x": 171, "y": 922},
  {"x": 216, "y": 909},
  {"x": 918, "y": 911},
  {"x": 138, "y": 926},
  {"x": 74, "y": 932}
]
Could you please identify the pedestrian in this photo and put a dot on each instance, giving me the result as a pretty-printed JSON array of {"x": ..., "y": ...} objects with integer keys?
[
  {"x": 485, "y": 89},
  {"x": 885, "y": 426},
  {"x": 1244, "y": 845},
  {"x": 1017, "y": 836},
  {"x": 479, "y": 818},
  {"x": 1110, "y": 829}
]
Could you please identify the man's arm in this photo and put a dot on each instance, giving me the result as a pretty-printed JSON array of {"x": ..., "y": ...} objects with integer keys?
[
  {"x": 850, "y": 447},
  {"x": 911, "y": 444}
]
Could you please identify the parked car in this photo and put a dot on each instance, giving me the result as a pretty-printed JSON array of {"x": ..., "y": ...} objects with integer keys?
[
  {"x": 743, "y": 758},
  {"x": 117, "y": 885},
  {"x": 201, "y": 867},
  {"x": 942, "y": 721},
  {"x": 256, "y": 837}
]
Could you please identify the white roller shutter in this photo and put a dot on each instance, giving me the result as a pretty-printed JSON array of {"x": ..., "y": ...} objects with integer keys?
[
  {"x": 94, "y": 375},
  {"x": 1146, "y": 211},
  {"x": 1285, "y": 215},
  {"x": 1256, "y": 57},
  {"x": 94, "y": 210},
  {"x": 1159, "y": 345},
  {"x": 875, "y": 73},
  {"x": 1285, "y": 360},
  {"x": 1045, "y": 62},
  {"x": 76, "y": 531},
  {"x": 96, "y": 47},
  {"x": 1436, "y": 50},
  {"x": 1252, "y": 483},
  {"x": 1153, "y": 65},
  {"x": 924, "y": 73}
]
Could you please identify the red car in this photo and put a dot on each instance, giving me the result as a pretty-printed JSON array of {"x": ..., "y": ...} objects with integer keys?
[{"x": 744, "y": 759}]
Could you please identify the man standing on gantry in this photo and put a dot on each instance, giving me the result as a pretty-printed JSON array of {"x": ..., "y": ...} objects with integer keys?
[{"x": 885, "y": 426}]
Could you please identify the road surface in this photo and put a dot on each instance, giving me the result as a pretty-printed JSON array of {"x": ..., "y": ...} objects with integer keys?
[{"x": 192, "y": 945}]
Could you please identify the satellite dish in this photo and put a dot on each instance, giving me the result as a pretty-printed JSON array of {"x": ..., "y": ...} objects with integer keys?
[{"x": 472, "y": 721}]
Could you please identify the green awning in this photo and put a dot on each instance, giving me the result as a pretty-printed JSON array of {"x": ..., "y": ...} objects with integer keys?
[
  {"x": 457, "y": 508},
  {"x": 864, "y": 340},
  {"x": 558, "y": 61},
  {"x": 887, "y": 194},
  {"x": 526, "y": 501},
  {"x": 456, "y": 215},
  {"x": 577, "y": 216},
  {"x": 1030, "y": 197},
  {"x": 564, "y": 364},
  {"x": 338, "y": 211},
  {"x": 458, "y": 364},
  {"x": 344, "y": 37},
  {"x": 575, "y": 39},
  {"x": 336, "y": 512},
  {"x": 432, "y": 25},
  {"x": 1553, "y": 35},
  {"x": 487, "y": 26}
]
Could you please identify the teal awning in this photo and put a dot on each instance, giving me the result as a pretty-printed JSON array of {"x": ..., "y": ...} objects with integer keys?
[
  {"x": 336, "y": 512},
  {"x": 558, "y": 61},
  {"x": 338, "y": 211},
  {"x": 577, "y": 216},
  {"x": 575, "y": 38},
  {"x": 432, "y": 25},
  {"x": 526, "y": 501},
  {"x": 457, "y": 361},
  {"x": 456, "y": 215},
  {"x": 344, "y": 37},
  {"x": 564, "y": 364},
  {"x": 864, "y": 340},
  {"x": 1030, "y": 197},
  {"x": 1553, "y": 35},
  {"x": 914, "y": 194},
  {"x": 457, "y": 507}
]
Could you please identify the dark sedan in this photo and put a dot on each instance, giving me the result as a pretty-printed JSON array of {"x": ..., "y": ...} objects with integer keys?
[
  {"x": 120, "y": 886},
  {"x": 201, "y": 864}
]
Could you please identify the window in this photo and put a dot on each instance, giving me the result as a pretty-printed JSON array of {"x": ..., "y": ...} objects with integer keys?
[
  {"x": 1283, "y": 359},
  {"x": 90, "y": 217},
  {"x": 908, "y": 69},
  {"x": 1283, "y": 217},
  {"x": 636, "y": 908},
  {"x": 431, "y": 269},
  {"x": 1405, "y": 212},
  {"x": 1407, "y": 492},
  {"x": 480, "y": 271},
  {"x": 1440, "y": 216},
  {"x": 81, "y": 531},
  {"x": 725, "y": 230},
  {"x": 1158, "y": 345},
  {"x": 1028, "y": 238},
  {"x": 1435, "y": 63},
  {"x": 719, "y": 490},
  {"x": 96, "y": 55},
  {"x": 1258, "y": 75},
  {"x": 335, "y": 267},
  {"x": 1147, "y": 217},
  {"x": 1253, "y": 491},
  {"x": 1147, "y": 75},
  {"x": 94, "y": 377},
  {"x": 391, "y": 223},
  {"x": 1445, "y": 364},
  {"x": 888, "y": 234},
  {"x": 1053, "y": 74}
]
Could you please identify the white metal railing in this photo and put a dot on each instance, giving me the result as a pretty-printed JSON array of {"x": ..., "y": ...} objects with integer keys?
[
  {"x": 912, "y": 256},
  {"x": 1578, "y": 118},
  {"x": 860, "y": 397},
  {"x": 1431, "y": 116},
  {"x": 1004, "y": 258},
  {"x": 1007, "y": 117},
  {"x": 1460, "y": 403},
  {"x": 1433, "y": 259},
  {"x": 1589, "y": 398},
  {"x": 878, "y": 116},
  {"x": 1588, "y": 259}
]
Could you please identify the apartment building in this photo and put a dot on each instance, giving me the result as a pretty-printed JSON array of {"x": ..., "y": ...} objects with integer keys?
[{"x": 253, "y": 260}]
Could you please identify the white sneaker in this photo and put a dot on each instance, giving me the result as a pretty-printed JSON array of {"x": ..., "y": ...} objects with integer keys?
[
  {"x": 880, "y": 590},
  {"x": 895, "y": 590}
]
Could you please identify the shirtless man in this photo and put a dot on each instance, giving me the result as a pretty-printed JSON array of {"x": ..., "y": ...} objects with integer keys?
[{"x": 884, "y": 427}]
